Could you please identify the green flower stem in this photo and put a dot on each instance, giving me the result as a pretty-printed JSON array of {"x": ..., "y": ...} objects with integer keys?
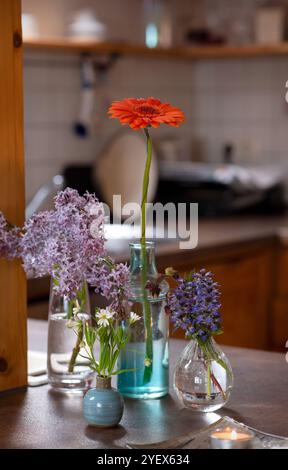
[
  {"x": 147, "y": 321},
  {"x": 70, "y": 309},
  {"x": 80, "y": 330},
  {"x": 210, "y": 355},
  {"x": 208, "y": 378},
  {"x": 76, "y": 349},
  {"x": 147, "y": 309},
  {"x": 145, "y": 185}
]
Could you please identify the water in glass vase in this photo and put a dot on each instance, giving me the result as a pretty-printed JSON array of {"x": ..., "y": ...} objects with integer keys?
[
  {"x": 61, "y": 341},
  {"x": 136, "y": 383},
  {"x": 201, "y": 382},
  {"x": 68, "y": 371}
]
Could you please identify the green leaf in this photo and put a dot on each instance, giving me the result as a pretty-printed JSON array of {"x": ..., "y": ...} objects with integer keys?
[
  {"x": 55, "y": 281},
  {"x": 218, "y": 332},
  {"x": 121, "y": 371}
]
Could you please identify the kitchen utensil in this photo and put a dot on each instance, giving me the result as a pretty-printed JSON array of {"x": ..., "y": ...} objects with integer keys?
[
  {"x": 119, "y": 171},
  {"x": 83, "y": 124}
]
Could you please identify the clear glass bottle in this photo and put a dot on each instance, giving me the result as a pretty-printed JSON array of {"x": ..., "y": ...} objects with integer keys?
[
  {"x": 203, "y": 377},
  {"x": 146, "y": 382},
  {"x": 67, "y": 370}
]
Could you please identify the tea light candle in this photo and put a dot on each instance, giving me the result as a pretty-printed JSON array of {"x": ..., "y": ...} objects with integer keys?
[{"x": 229, "y": 438}]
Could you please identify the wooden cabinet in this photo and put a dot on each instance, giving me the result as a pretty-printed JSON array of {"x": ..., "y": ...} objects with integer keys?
[
  {"x": 246, "y": 288},
  {"x": 279, "y": 314},
  {"x": 245, "y": 276}
]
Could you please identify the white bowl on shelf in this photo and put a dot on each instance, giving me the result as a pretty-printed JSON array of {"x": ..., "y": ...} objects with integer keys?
[{"x": 85, "y": 27}]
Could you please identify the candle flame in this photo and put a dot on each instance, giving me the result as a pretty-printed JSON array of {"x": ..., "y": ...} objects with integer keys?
[{"x": 233, "y": 435}]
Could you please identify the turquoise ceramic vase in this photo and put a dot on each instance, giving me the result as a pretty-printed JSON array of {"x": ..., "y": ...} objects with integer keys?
[{"x": 103, "y": 406}]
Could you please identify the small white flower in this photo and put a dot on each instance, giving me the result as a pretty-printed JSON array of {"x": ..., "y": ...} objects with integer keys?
[
  {"x": 76, "y": 309},
  {"x": 134, "y": 317},
  {"x": 103, "y": 316},
  {"x": 71, "y": 324}
]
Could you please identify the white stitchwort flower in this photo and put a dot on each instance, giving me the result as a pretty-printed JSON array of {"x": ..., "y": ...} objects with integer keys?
[
  {"x": 77, "y": 308},
  {"x": 103, "y": 316},
  {"x": 134, "y": 317},
  {"x": 71, "y": 323}
]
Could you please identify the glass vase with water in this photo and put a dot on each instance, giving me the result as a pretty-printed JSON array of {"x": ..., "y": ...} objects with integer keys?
[
  {"x": 67, "y": 370},
  {"x": 147, "y": 354}
]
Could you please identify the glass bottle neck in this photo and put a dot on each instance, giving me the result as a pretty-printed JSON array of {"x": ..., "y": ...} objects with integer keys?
[
  {"x": 143, "y": 269},
  {"x": 140, "y": 254}
]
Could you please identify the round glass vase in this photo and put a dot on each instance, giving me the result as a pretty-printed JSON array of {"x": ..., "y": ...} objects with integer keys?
[
  {"x": 68, "y": 371},
  {"x": 203, "y": 377},
  {"x": 147, "y": 353}
]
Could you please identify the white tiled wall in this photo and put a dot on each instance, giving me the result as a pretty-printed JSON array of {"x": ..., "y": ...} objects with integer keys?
[
  {"x": 240, "y": 101},
  {"x": 243, "y": 102},
  {"x": 52, "y": 101}
]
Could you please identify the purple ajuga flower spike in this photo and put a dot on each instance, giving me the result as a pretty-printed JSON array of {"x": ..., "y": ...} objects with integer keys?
[{"x": 194, "y": 305}]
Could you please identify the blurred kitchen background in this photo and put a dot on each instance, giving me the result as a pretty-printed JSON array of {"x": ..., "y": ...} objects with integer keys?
[{"x": 225, "y": 64}]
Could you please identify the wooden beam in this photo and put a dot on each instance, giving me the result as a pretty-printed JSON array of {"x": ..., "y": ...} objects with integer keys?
[{"x": 13, "y": 343}]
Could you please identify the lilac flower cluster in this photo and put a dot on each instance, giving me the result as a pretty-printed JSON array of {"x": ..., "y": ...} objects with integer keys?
[
  {"x": 194, "y": 305},
  {"x": 68, "y": 244},
  {"x": 112, "y": 281},
  {"x": 60, "y": 242},
  {"x": 9, "y": 239}
]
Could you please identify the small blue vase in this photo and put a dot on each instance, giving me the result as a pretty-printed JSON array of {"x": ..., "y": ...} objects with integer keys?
[{"x": 103, "y": 406}]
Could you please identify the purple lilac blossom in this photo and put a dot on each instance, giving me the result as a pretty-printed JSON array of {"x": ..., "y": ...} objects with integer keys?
[
  {"x": 194, "y": 305},
  {"x": 9, "y": 239},
  {"x": 68, "y": 244},
  {"x": 60, "y": 242},
  {"x": 111, "y": 281}
]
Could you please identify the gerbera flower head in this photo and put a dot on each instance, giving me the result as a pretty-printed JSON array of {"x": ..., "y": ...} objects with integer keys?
[{"x": 139, "y": 113}]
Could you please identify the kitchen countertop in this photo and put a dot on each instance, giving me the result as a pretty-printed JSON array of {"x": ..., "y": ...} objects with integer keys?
[
  {"x": 217, "y": 233},
  {"x": 216, "y": 237},
  {"x": 40, "y": 418}
]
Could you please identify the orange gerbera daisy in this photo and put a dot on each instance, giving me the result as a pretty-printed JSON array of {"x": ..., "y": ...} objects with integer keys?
[{"x": 140, "y": 113}]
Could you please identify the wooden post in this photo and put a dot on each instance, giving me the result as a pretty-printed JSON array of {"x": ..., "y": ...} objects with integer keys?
[{"x": 13, "y": 342}]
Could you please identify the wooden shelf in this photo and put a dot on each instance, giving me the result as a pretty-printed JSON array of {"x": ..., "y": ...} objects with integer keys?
[{"x": 188, "y": 53}]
